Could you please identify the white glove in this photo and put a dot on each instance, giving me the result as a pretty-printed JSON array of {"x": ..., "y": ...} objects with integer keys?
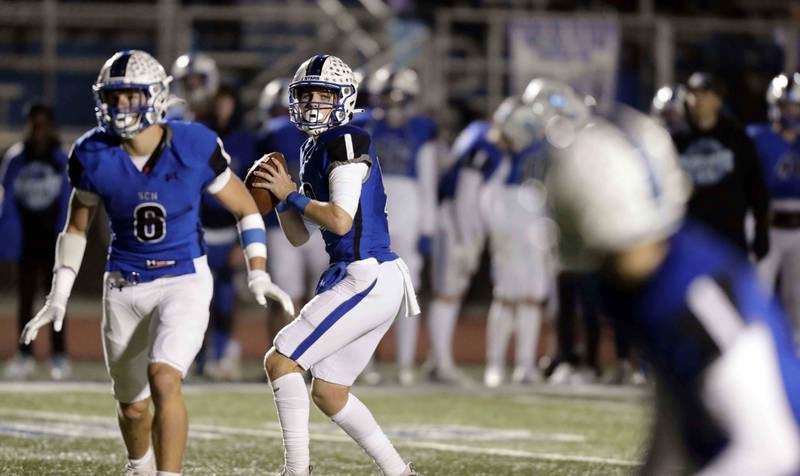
[
  {"x": 53, "y": 311},
  {"x": 262, "y": 288}
]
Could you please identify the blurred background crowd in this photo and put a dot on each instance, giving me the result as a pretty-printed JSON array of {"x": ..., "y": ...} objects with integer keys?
[{"x": 430, "y": 73}]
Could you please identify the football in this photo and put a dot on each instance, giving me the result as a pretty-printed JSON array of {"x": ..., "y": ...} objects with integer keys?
[{"x": 265, "y": 200}]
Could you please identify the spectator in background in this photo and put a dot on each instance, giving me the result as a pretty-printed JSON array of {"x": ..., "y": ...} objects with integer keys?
[
  {"x": 36, "y": 192},
  {"x": 721, "y": 160},
  {"x": 219, "y": 227}
]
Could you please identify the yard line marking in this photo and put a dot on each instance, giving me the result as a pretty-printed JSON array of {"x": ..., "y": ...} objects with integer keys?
[{"x": 209, "y": 431}]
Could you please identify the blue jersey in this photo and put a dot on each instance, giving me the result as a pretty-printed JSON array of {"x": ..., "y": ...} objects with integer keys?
[
  {"x": 281, "y": 135},
  {"x": 780, "y": 161},
  {"x": 154, "y": 214},
  {"x": 369, "y": 235},
  {"x": 471, "y": 149},
  {"x": 657, "y": 316},
  {"x": 398, "y": 147},
  {"x": 241, "y": 147}
]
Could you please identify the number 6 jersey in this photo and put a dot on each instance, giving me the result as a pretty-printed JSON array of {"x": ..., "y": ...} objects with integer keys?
[{"x": 153, "y": 212}]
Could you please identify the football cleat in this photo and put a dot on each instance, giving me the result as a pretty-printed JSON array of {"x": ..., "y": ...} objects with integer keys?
[
  {"x": 60, "y": 368},
  {"x": 20, "y": 367},
  {"x": 147, "y": 469},
  {"x": 493, "y": 377},
  {"x": 285, "y": 472}
]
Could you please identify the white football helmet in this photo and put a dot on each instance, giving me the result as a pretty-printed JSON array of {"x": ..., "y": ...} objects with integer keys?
[
  {"x": 783, "y": 89},
  {"x": 322, "y": 72},
  {"x": 275, "y": 94},
  {"x": 561, "y": 110},
  {"x": 669, "y": 107},
  {"x": 517, "y": 123},
  {"x": 614, "y": 186},
  {"x": 196, "y": 77},
  {"x": 393, "y": 91},
  {"x": 126, "y": 70}
]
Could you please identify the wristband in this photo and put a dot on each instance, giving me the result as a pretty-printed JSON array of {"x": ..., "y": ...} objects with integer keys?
[
  {"x": 298, "y": 201},
  {"x": 253, "y": 237}
]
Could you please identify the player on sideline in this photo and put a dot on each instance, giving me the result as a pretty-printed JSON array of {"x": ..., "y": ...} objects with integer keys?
[
  {"x": 307, "y": 262},
  {"x": 364, "y": 289},
  {"x": 779, "y": 150},
  {"x": 721, "y": 349},
  {"x": 406, "y": 144},
  {"x": 150, "y": 175}
]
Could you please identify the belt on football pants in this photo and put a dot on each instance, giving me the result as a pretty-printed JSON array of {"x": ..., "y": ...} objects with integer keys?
[{"x": 786, "y": 220}]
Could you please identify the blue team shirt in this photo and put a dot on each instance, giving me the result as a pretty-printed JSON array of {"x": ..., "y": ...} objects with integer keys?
[
  {"x": 780, "y": 161},
  {"x": 530, "y": 164},
  {"x": 34, "y": 190},
  {"x": 471, "y": 149},
  {"x": 281, "y": 135},
  {"x": 154, "y": 217},
  {"x": 240, "y": 145},
  {"x": 656, "y": 316},
  {"x": 398, "y": 147},
  {"x": 369, "y": 235}
]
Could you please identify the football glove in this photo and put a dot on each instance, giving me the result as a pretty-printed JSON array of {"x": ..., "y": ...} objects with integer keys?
[
  {"x": 53, "y": 311},
  {"x": 262, "y": 287}
]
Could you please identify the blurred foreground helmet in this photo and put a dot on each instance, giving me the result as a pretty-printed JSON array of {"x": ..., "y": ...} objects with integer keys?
[
  {"x": 669, "y": 107},
  {"x": 561, "y": 111},
  {"x": 274, "y": 95},
  {"x": 784, "y": 89},
  {"x": 196, "y": 77},
  {"x": 322, "y": 72},
  {"x": 616, "y": 185},
  {"x": 518, "y": 124},
  {"x": 131, "y": 70}
]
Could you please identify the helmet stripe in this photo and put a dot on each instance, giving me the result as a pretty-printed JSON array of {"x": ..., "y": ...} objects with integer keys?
[
  {"x": 315, "y": 65},
  {"x": 119, "y": 65}
]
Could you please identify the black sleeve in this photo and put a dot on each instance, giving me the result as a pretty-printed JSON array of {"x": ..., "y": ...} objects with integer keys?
[
  {"x": 218, "y": 162},
  {"x": 757, "y": 195},
  {"x": 340, "y": 152},
  {"x": 75, "y": 170}
]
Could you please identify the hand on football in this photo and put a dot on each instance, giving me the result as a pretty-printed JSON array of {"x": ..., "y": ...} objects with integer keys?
[
  {"x": 53, "y": 311},
  {"x": 276, "y": 179},
  {"x": 262, "y": 288}
]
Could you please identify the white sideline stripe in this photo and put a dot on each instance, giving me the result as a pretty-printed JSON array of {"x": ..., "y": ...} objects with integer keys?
[{"x": 208, "y": 431}]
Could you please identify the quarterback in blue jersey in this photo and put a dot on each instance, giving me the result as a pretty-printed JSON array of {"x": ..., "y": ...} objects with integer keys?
[
  {"x": 307, "y": 262},
  {"x": 729, "y": 380},
  {"x": 149, "y": 176},
  {"x": 364, "y": 289},
  {"x": 778, "y": 149},
  {"x": 406, "y": 144}
]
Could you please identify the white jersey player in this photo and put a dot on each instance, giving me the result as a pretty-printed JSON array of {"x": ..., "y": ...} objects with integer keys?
[
  {"x": 367, "y": 285},
  {"x": 406, "y": 145},
  {"x": 149, "y": 175}
]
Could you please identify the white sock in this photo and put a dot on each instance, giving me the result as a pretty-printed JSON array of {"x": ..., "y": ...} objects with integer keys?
[
  {"x": 441, "y": 326},
  {"x": 166, "y": 473},
  {"x": 406, "y": 329},
  {"x": 291, "y": 400},
  {"x": 526, "y": 324},
  {"x": 139, "y": 462},
  {"x": 498, "y": 332},
  {"x": 357, "y": 421}
]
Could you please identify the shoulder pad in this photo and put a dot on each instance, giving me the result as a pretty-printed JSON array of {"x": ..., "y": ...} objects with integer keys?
[
  {"x": 193, "y": 141},
  {"x": 348, "y": 147}
]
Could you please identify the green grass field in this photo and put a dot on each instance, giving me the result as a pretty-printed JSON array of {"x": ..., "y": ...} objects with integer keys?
[{"x": 70, "y": 429}]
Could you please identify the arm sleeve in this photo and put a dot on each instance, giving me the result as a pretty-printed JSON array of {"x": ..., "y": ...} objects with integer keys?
[
  {"x": 348, "y": 149},
  {"x": 426, "y": 167},
  {"x": 221, "y": 173},
  {"x": 345, "y": 186},
  {"x": 4, "y": 164}
]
